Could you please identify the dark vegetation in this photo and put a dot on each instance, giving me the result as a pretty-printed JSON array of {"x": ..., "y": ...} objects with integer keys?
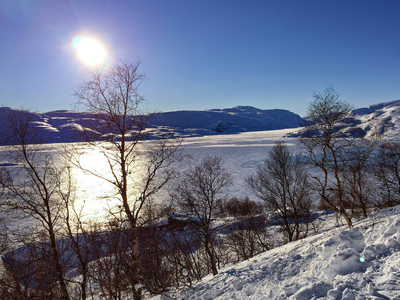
[{"x": 50, "y": 251}]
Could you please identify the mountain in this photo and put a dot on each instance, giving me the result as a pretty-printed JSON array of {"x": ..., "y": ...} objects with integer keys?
[
  {"x": 64, "y": 126},
  {"x": 340, "y": 263},
  {"x": 382, "y": 118},
  {"x": 229, "y": 120}
]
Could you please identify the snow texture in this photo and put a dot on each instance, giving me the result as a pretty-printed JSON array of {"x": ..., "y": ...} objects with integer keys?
[
  {"x": 382, "y": 118},
  {"x": 358, "y": 263}
]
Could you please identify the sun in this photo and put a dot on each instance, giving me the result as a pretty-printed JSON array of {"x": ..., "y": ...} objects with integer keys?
[{"x": 90, "y": 51}]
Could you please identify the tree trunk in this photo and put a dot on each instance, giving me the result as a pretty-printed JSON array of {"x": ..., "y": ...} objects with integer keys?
[
  {"x": 348, "y": 220},
  {"x": 210, "y": 254},
  {"x": 57, "y": 265},
  {"x": 297, "y": 224}
]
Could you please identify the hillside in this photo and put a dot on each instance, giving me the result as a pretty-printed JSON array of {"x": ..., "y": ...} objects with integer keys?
[
  {"x": 378, "y": 119},
  {"x": 229, "y": 120},
  {"x": 382, "y": 118},
  {"x": 361, "y": 263},
  {"x": 64, "y": 126}
]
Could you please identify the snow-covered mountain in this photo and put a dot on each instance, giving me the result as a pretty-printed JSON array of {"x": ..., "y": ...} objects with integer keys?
[
  {"x": 382, "y": 118},
  {"x": 64, "y": 126},
  {"x": 378, "y": 119},
  {"x": 229, "y": 120},
  {"x": 360, "y": 263}
]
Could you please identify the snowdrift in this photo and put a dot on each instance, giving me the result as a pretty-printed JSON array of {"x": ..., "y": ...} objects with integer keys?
[{"x": 360, "y": 263}]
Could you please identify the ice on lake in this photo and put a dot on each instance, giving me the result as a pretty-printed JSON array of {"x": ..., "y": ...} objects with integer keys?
[{"x": 241, "y": 154}]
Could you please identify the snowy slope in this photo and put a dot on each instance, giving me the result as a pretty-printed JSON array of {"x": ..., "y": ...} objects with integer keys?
[
  {"x": 379, "y": 119},
  {"x": 53, "y": 127},
  {"x": 382, "y": 118},
  {"x": 361, "y": 263}
]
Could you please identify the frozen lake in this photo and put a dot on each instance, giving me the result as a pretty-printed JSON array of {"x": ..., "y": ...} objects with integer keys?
[{"x": 241, "y": 154}]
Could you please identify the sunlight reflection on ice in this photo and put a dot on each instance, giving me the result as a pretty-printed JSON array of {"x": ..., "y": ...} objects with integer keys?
[
  {"x": 93, "y": 193},
  {"x": 241, "y": 154}
]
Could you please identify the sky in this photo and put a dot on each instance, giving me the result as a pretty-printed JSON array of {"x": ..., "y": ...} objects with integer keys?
[{"x": 205, "y": 54}]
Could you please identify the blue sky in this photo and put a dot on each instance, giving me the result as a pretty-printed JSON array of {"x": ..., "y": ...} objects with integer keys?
[{"x": 205, "y": 54}]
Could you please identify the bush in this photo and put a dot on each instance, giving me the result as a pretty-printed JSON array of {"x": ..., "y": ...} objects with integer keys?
[{"x": 241, "y": 208}]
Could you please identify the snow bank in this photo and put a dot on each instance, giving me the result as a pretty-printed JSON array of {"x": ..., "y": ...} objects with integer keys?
[{"x": 360, "y": 263}]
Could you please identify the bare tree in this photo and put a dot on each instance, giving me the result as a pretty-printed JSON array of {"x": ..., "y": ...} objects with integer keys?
[
  {"x": 248, "y": 234},
  {"x": 324, "y": 141},
  {"x": 183, "y": 251},
  {"x": 201, "y": 190},
  {"x": 77, "y": 235},
  {"x": 283, "y": 184},
  {"x": 109, "y": 272},
  {"x": 248, "y": 237},
  {"x": 358, "y": 182},
  {"x": 138, "y": 170},
  {"x": 39, "y": 201},
  {"x": 31, "y": 193},
  {"x": 387, "y": 173}
]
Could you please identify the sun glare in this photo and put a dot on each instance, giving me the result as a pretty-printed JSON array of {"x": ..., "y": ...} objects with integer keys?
[{"x": 90, "y": 51}]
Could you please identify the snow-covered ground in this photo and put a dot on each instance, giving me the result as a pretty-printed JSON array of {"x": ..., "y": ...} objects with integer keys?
[
  {"x": 338, "y": 263},
  {"x": 360, "y": 263}
]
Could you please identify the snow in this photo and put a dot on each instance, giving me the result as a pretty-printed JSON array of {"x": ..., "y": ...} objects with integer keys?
[
  {"x": 61, "y": 126},
  {"x": 382, "y": 118},
  {"x": 358, "y": 263},
  {"x": 241, "y": 153},
  {"x": 338, "y": 263}
]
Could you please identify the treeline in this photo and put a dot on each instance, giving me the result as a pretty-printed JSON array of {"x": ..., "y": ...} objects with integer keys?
[{"x": 52, "y": 251}]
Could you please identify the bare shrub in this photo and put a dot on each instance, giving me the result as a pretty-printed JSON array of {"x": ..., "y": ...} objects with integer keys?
[
  {"x": 249, "y": 237},
  {"x": 242, "y": 207}
]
